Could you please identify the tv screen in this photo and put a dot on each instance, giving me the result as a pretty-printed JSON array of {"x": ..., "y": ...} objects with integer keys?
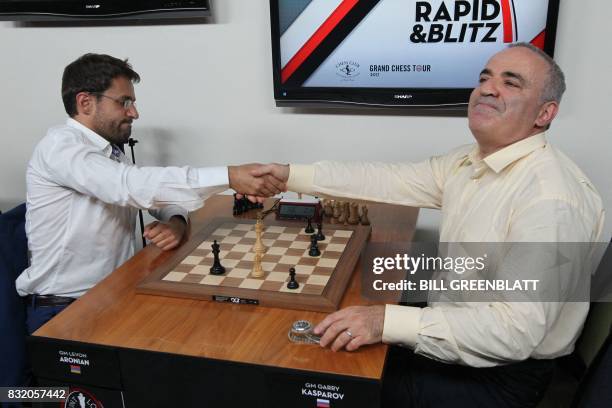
[
  {"x": 45, "y": 10},
  {"x": 421, "y": 54}
]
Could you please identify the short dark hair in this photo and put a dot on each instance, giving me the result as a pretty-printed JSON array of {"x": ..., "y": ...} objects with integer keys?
[{"x": 92, "y": 73}]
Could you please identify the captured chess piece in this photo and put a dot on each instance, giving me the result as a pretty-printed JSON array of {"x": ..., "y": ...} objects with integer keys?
[
  {"x": 314, "y": 248},
  {"x": 237, "y": 210},
  {"x": 364, "y": 215},
  {"x": 328, "y": 208},
  {"x": 337, "y": 211},
  {"x": 344, "y": 214},
  {"x": 353, "y": 218},
  {"x": 309, "y": 229},
  {"x": 217, "y": 268},
  {"x": 319, "y": 234},
  {"x": 242, "y": 205},
  {"x": 292, "y": 284}
]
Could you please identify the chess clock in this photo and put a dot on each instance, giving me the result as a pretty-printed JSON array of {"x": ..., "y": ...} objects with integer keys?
[{"x": 299, "y": 209}]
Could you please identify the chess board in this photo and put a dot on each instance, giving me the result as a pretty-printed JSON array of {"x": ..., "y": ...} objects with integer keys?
[{"x": 322, "y": 279}]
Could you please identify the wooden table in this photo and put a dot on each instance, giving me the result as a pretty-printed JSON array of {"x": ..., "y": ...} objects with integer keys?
[{"x": 141, "y": 350}]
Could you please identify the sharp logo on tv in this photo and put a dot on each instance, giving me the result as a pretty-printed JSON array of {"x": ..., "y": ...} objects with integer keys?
[
  {"x": 92, "y": 6},
  {"x": 441, "y": 44}
]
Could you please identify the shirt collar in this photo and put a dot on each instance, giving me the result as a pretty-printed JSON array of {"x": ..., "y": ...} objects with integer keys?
[
  {"x": 92, "y": 136},
  {"x": 504, "y": 157},
  {"x": 509, "y": 154}
]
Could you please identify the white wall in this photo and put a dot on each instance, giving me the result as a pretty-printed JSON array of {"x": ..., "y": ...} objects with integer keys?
[{"x": 206, "y": 97}]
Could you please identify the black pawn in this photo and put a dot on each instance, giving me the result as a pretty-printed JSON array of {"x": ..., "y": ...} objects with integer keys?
[
  {"x": 217, "y": 268},
  {"x": 292, "y": 284},
  {"x": 320, "y": 236},
  {"x": 314, "y": 248},
  {"x": 309, "y": 229}
]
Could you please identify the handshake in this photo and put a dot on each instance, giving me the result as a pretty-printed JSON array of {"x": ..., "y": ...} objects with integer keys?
[{"x": 258, "y": 181}]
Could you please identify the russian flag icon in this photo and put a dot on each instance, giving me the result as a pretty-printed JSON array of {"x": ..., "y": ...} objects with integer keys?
[{"x": 322, "y": 403}]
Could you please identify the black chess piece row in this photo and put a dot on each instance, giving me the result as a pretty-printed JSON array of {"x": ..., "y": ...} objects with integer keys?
[
  {"x": 309, "y": 229},
  {"x": 314, "y": 247},
  {"x": 314, "y": 238},
  {"x": 242, "y": 205}
]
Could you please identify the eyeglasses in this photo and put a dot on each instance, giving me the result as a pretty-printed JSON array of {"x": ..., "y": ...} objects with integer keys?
[{"x": 126, "y": 103}]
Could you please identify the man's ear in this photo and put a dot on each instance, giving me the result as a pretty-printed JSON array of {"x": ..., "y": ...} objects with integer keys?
[
  {"x": 85, "y": 103},
  {"x": 547, "y": 113}
]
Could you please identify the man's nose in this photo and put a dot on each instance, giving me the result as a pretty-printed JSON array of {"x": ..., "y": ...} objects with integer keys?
[
  {"x": 489, "y": 88},
  {"x": 133, "y": 112}
]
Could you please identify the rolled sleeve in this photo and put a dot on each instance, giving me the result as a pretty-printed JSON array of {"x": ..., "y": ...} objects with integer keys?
[{"x": 401, "y": 325}]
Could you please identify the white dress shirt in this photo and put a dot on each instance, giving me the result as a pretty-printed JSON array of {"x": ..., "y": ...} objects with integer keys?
[
  {"x": 82, "y": 203},
  {"x": 526, "y": 192}
]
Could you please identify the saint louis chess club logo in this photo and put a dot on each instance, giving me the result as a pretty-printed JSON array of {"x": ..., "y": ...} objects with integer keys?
[
  {"x": 347, "y": 69},
  {"x": 81, "y": 399}
]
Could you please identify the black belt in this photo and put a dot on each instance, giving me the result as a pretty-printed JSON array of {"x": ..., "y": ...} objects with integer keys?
[{"x": 48, "y": 300}]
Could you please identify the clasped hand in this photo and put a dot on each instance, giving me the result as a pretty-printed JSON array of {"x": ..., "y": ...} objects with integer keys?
[{"x": 258, "y": 181}]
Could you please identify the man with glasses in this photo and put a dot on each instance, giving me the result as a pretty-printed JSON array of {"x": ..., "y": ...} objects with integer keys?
[{"x": 83, "y": 193}]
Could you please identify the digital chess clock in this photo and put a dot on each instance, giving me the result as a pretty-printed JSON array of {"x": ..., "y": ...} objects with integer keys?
[{"x": 299, "y": 209}]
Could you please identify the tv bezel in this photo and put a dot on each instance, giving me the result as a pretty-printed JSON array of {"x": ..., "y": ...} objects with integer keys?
[
  {"x": 102, "y": 10},
  {"x": 441, "y": 99}
]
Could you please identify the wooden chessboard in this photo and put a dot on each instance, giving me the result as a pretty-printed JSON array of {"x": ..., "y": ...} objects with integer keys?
[{"x": 323, "y": 279}]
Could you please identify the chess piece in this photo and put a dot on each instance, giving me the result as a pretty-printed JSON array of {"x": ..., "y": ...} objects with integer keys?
[
  {"x": 259, "y": 246},
  {"x": 364, "y": 215},
  {"x": 319, "y": 235},
  {"x": 353, "y": 218},
  {"x": 217, "y": 268},
  {"x": 257, "y": 271},
  {"x": 292, "y": 284},
  {"x": 237, "y": 210},
  {"x": 309, "y": 229},
  {"x": 243, "y": 205},
  {"x": 314, "y": 248},
  {"x": 344, "y": 213},
  {"x": 337, "y": 209},
  {"x": 328, "y": 208}
]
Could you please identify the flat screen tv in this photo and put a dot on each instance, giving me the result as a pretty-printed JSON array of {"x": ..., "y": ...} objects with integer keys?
[
  {"x": 56, "y": 10},
  {"x": 396, "y": 53}
]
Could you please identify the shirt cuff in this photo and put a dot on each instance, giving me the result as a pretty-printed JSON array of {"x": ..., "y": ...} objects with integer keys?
[
  {"x": 401, "y": 325},
  {"x": 165, "y": 213},
  {"x": 301, "y": 177},
  {"x": 213, "y": 176}
]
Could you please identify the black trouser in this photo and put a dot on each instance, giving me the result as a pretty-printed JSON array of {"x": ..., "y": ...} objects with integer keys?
[{"x": 413, "y": 381}]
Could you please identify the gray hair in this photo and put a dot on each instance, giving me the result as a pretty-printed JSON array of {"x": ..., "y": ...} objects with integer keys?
[{"x": 555, "y": 85}]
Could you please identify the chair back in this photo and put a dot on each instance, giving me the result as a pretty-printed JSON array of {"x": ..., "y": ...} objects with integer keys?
[{"x": 13, "y": 260}]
